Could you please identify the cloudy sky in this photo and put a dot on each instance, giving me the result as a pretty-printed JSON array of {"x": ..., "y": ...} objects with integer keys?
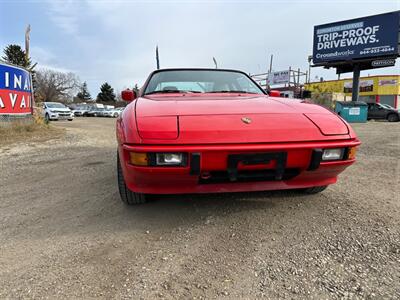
[{"x": 115, "y": 41}]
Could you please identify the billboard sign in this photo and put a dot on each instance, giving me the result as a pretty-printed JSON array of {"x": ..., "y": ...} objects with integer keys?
[
  {"x": 279, "y": 77},
  {"x": 362, "y": 38},
  {"x": 15, "y": 90}
]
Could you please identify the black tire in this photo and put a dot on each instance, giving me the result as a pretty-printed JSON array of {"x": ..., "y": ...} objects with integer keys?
[
  {"x": 115, "y": 115},
  {"x": 393, "y": 118},
  {"x": 127, "y": 196},
  {"x": 47, "y": 118},
  {"x": 314, "y": 189},
  {"x": 70, "y": 119}
]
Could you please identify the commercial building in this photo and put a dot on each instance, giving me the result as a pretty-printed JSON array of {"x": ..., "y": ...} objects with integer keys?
[{"x": 383, "y": 89}]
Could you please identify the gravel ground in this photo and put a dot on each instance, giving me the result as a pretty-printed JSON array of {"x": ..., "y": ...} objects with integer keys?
[{"x": 64, "y": 233}]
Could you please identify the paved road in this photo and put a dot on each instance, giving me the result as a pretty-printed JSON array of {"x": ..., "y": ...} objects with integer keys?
[{"x": 64, "y": 233}]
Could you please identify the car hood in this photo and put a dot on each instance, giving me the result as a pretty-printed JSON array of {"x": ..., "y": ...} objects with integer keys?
[{"x": 189, "y": 119}]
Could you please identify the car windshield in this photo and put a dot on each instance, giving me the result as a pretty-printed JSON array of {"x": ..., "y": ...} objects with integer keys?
[
  {"x": 55, "y": 105},
  {"x": 201, "y": 81}
]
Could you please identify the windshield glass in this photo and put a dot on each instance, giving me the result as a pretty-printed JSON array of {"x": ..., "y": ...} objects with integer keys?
[
  {"x": 201, "y": 81},
  {"x": 55, "y": 105}
]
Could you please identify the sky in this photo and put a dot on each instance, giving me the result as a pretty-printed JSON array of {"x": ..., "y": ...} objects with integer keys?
[{"x": 114, "y": 41}]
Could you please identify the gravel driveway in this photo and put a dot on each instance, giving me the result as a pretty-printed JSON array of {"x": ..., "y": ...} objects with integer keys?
[{"x": 64, "y": 233}]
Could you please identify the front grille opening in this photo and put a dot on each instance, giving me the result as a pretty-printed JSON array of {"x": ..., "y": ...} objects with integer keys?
[{"x": 248, "y": 176}]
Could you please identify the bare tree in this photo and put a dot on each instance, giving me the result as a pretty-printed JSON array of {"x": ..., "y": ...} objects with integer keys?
[{"x": 56, "y": 86}]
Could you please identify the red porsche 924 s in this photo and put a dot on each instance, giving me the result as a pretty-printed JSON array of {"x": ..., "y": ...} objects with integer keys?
[{"x": 215, "y": 130}]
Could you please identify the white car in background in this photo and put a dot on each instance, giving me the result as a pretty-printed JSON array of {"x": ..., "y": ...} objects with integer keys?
[
  {"x": 56, "y": 111},
  {"x": 113, "y": 113}
]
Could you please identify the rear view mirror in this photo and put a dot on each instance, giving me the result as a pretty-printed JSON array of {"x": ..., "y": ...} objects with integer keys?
[{"x": 128, "y": 95}]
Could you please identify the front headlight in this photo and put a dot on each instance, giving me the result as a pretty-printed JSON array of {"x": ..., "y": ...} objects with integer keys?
[
  {"x": 333, "y": 154},
  {"x": 158, "y": 159},
  {"x": 169, "y": 159}
]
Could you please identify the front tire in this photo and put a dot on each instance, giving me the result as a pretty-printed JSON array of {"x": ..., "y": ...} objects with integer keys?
[
  {"x": 392, "y": 118},
  {"x": 314, "y": 190},
  {"x": 127, "y": 196}
]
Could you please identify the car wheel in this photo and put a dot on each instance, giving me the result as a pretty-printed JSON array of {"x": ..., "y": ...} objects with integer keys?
[
  {"x": 70, "y": 119},
  {"x": 392, "y": 118},
  {"x": 115, "y": 115},
  {"x": 127, "y": 196},
  {"x": 314, "y": 189},
  {"x": 47, "y": 118}
]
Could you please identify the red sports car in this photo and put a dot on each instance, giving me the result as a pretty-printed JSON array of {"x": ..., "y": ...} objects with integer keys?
[{"x": 214, "y": 130}]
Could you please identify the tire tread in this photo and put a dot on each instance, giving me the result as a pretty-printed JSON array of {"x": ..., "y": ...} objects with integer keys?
[
  {"x": 314, "y": 189},
  {"x": 127, "y": 196}
]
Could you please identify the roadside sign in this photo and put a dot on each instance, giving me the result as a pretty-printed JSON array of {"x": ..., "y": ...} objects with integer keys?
[
  {"x": 279, "y": 77},
  {"x": 362, "y": 38},
  {"x": 16, "y": 93}
]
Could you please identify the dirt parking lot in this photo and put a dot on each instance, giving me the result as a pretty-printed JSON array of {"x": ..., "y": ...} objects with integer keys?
[{"x": 64, "y": 233}]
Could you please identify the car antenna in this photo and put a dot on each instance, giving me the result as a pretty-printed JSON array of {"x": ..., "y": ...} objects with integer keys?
[
  {"x": 215, "y": 63},
  {"x": 157, "y": 58}
]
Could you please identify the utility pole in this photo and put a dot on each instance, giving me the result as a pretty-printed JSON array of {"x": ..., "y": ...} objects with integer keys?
[
  {"x": 309, "y": 67},
  {"x": 270, "y": 63},
  {"x": 27, "y": 40}
]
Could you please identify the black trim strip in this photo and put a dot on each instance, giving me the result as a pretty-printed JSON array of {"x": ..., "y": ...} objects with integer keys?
[
  {"x": 316, "y": 158},
  {"x": 195, "y": 164}
]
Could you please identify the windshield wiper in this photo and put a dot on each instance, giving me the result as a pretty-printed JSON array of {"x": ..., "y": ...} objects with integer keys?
[
  {"x": 241, "y": 92},
  {"x": 171, "y": 91}
]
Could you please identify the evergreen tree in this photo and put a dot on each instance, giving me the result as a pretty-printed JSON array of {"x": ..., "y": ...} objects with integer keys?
[
  {"x": 106, "y": 93},
  {"x": 84, "y": 94},
  {"x": 14, "y": 54}
]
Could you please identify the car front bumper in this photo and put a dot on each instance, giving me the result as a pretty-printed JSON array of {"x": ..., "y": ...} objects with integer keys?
[
  {"x": 212, "y": 173},
  {"x": 61, "y": 117}
]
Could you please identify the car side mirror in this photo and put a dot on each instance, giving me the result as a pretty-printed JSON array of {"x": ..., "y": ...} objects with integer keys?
[
  {"x": 128, "y": 95},
  {"x": 274, "y": 93}
]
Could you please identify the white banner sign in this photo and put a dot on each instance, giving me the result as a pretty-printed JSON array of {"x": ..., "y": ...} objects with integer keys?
[{"x": 278, "y": 77}]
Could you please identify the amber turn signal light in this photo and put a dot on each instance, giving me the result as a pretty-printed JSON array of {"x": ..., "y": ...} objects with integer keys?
[
  {"x": 138, "y": 158},
  {"x": 352, "y": 153}
]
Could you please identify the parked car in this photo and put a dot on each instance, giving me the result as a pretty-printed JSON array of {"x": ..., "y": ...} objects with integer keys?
[
  {"x": 56, "y": 111},
  {"x": 114, "y": 112},
  {"x": 80, "y": 111},
  {"x": 382, "y": 112},
  {"x": 94, "y": 112},
  {"x": 216, "y": 130}
]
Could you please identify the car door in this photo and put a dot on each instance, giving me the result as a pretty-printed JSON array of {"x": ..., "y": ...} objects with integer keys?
[
  {"x": 382, "y": 111},
  {"x": 374, "y": 111}
]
